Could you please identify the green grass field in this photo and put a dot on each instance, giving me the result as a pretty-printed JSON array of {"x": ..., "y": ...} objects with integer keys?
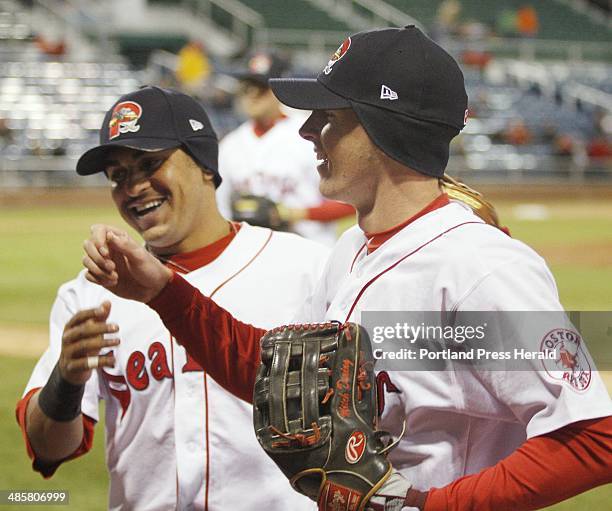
[{"x": 41, "y": 248}]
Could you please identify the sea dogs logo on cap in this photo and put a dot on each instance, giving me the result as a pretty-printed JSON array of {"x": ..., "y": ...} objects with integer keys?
[
  {"x": 340, "y": 52},
  {"x": 124, "y": 119},
  {"x": 570, "y": 363}
]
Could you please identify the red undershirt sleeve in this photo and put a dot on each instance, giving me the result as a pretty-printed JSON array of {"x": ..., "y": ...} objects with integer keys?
[
  {"x": 48, "y": 470},
  {"x": 544, "y": 470},
  {"x": 226, "y": 348},
  {"x": 329, "y": 210}
]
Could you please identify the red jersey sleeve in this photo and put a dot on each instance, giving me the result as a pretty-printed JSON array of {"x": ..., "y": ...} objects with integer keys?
[
  {"x": 544, "y": 470},
  {"x": 226, "y": 348},
  {"x": 329, "y": 210},
  {"x": 47, "y": 470}
]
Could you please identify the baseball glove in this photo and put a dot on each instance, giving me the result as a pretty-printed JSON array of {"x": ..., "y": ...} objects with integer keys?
[
  {"x": 315, "y": 413},
  {"x": 257, "y": 210},
  {"x": 474, "y": 199}
]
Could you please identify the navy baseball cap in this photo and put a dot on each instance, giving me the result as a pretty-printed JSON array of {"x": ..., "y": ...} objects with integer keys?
[
  {"x": 154, "y": 119},
  {"x": 407, "y": 92},
  {"x": 262, "y": 65}
]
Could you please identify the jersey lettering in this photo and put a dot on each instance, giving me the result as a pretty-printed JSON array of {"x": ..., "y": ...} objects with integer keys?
[
  {"x": 159, "y": 361},
  {"x": 191, "y": 366},
  {"x": 118, "y": 387},
  {"x": 136, "y": 371}
]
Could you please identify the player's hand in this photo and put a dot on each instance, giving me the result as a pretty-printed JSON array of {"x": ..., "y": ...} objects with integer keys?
[
  {"x": 394, "y": 494},
  {"x": 116, "y": 262},
  {"x": 82, "y": 340}
]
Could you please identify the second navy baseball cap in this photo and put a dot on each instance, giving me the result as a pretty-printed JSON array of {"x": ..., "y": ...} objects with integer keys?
[
  {"x": 407, "y": 92},
  {"x": 262, "y": 65},
  {"x": 155, "y": 119}
]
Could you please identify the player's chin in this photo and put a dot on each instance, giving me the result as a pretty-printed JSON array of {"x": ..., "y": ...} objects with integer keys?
[
  {"x": 325, "y": 176},
  {"x": 328, "y": 188},
  {"x": 156, "y": 233}
]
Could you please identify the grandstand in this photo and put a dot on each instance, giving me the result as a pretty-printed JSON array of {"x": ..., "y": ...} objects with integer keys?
[
  {"x": 541, "y": 105},
  {"x": 557, "y": 20}
]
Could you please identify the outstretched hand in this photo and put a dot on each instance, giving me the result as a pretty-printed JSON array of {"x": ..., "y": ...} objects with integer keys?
[
  {"x": 82, "y": 340},
  {"x": 116, "y": 262}
]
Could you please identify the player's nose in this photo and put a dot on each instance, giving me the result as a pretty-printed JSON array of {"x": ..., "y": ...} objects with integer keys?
[
  {"x": 311, "y": 129},
  {"x": 136, "y": 184}
]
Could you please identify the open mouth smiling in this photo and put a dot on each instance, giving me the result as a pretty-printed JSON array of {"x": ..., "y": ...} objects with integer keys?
[{"x": 142, "y": 209}]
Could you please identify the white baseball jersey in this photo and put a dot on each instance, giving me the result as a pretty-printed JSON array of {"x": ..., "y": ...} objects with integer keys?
[
  {"x": 174, "y": 438},
  {"x": 279, "y": 165},
  {"x": 457, "y": 422}
]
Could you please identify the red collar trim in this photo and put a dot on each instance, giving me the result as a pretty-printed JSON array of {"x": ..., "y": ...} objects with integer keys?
[
  {"x": 261, "y": 128},
  {"x": 376, "y": 239},
  {"x": 189, "y": 261}
]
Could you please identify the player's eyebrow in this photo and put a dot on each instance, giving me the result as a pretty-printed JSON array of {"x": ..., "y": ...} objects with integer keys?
[
  {"x": 115, "y": 161},
  {"x": 139, "y": 156}
]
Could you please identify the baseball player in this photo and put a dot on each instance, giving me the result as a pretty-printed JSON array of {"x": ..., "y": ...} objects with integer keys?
[
  {"x": 384, "y": 110},
  {"x": 265, "y": 157},
  {"x": 174, "y": 438}
]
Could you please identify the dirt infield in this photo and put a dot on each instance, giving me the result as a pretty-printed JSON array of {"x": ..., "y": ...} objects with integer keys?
[
  {"x": 23, "y": 341},
  {"x": 535, "y": 191},
  {"x": 592, "y": 255},
  {"x": 45, "y": 197}
]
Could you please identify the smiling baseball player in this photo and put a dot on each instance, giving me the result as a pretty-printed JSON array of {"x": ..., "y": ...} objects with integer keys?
[
  {"x": 385, "y": 109},
  {"x": 174, "y": 438}
]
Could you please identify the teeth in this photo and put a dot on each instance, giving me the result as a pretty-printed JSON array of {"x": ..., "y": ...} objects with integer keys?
[
  {"x": 321, "y": 161},
  {"x": 148, "y": 205}
]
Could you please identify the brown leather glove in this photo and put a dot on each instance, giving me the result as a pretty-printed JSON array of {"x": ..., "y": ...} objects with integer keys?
[{"x": 315, "y": 413}]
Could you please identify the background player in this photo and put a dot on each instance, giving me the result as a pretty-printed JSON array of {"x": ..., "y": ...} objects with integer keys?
[
  {"x": 265, "y": 157},
  {"x": 474, "y": 439},
  {"x": 174, "y": 438}
]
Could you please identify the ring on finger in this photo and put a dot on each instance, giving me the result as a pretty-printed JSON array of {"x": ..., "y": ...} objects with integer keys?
[{"x": 92, "y": 362}]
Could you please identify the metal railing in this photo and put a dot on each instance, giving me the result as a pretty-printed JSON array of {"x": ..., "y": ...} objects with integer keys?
[
  {"x": 75, "y": 27},
  {"x": 315, "y": 41},
  {"x": 362, "y": 14},
  {"x": 244, "y": 22},
  {"x": 534, "y": 49}
]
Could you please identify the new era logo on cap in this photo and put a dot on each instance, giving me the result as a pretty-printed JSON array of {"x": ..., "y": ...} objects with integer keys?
[
  {"x": 195, "y": 125},
  {"x": 387, "y": 93}
]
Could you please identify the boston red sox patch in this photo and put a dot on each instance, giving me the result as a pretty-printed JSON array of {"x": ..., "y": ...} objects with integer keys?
[{"x": 570, "y": 363}]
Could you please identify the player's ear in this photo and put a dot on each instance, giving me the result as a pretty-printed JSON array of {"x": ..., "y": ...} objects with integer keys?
[{"x": 208, "y": 176}]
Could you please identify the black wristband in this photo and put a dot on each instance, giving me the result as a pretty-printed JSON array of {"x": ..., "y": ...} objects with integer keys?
[{"x": 60, "y": 400}]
